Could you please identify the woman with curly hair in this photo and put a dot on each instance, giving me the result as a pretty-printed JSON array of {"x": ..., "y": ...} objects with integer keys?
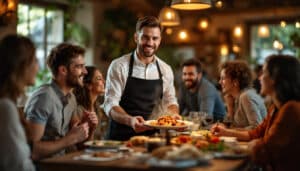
[
  {"x": 245, "y": 107},
  {"x": 274, "y": 144}
]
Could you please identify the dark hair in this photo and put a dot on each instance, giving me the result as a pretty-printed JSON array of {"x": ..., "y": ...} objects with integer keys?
[
  {"x": 82, "y": 93},
  {"x": 285, "y": 71},
  {"x": 258, "y": 68},
  {"x": 238, "y": 70},
  {"x": 193, "y": 62},
  {"x": 17, "y": 53},
  {"x": 63, "y": 54},
  {"x": 148, "y": 21}
]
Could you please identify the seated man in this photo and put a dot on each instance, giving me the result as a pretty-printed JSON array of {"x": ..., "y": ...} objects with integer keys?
[
  {"x": 197, "y": 93},
  {"x": 50, "y": 110}
]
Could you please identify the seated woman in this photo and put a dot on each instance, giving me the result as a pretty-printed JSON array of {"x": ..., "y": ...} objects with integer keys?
[
  {"x": 18, "y": 68},
  {"x": 275, "y": 142},
  {"x": 88, "y": 97},
  {"x": 244, "y": 106}
]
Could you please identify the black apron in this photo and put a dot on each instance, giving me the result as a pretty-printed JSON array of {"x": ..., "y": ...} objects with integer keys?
[{"x": 138, "y": 99}]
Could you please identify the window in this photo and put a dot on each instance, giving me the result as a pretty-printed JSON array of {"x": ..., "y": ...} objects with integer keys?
[
  {"x": 43, "y": 25},
  {"x": 272, "y": 39}
]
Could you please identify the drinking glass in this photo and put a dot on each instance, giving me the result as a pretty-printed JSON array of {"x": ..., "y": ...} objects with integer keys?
[
  {"x": 208, "y": 120},
  {"x": 227, "y": 121},
  {"x": 196, "y": 119}
]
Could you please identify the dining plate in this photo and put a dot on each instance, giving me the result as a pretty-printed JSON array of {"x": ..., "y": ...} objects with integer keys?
[
  {"x": 149, "y": 123},
  {"x": 182, "y": 163},
  {"x": 108, "y": 144},
  {"x": 101, "y": 156},
  {"x": 224, "y": 155}
]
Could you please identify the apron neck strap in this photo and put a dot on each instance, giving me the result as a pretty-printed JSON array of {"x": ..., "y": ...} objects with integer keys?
[{"x": 131, "y": 66}]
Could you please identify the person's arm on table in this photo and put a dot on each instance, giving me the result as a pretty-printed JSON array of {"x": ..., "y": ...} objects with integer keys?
[
  {"x": 221, "y": 130},
  {"x": 43, "y": 149}
]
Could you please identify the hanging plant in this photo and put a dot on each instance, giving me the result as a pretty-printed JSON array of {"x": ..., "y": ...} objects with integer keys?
[
  {"x": 116, "y": 32},
  {"x": 295, "y": 39},
  {"x": 77, "y": 33},
  {"x": 74, "y": 31}
]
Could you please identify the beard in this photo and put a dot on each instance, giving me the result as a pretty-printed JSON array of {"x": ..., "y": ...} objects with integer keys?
[
  {"x": 146, "y": 53},
  {"x": 190, "y": 84},
  {"x": 74, "y": 81}
]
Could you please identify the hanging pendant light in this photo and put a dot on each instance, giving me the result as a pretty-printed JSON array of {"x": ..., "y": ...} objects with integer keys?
[
  {"x": 190, "y": 4},
  {"x": 263, "y": 31},
  {"x": 169, "y": 17}
]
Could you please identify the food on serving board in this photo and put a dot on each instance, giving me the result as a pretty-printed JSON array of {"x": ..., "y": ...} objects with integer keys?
[
  {"x": 201, "y": 133},
  {"x": 162, "y": 151},
  {"x": 138, "y": 140},
  {"x": 167, "y": 120},
  {"x": 205, "y": 143},
  {"x": 186, "y": 151},
  {"x": 182, "y": 139},
  {"x": 106, "y": 143}
]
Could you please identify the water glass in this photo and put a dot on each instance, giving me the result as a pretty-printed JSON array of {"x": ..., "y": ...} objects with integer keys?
[{"x": 196, "y": 119}]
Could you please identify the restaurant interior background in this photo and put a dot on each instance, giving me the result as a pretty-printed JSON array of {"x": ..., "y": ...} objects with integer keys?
[{"x": 230, "y": 29}]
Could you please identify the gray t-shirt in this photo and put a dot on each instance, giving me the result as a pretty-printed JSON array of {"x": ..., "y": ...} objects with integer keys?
[
  {"x": 48, "y": 106},
  {"x": 14, "y": 150}
]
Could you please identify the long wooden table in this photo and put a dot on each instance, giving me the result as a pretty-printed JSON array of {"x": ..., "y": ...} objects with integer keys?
[{"x": 67, "y": 162}]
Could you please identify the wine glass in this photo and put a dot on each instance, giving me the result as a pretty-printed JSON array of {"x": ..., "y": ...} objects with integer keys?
[
  {"x": 227, "y": 121},
  {"x": 208, "y": 120}
]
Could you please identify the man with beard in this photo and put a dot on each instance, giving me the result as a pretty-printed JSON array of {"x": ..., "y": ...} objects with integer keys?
[
  {"x": 197, "y": 93},
  {"x": 137, "y": 83},
  {"x": 50, "y": 111}
]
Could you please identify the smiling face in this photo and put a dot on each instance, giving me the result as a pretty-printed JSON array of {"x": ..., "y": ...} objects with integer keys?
[
  {"x": 148, "y": 40},
  {"x": 228, "y": 85},
  {"x": 190, "y": 76},
  {"x": 267, "y": 84},
  {"x": 97, "y": 85},
  {"x": 76, "y": 72}
]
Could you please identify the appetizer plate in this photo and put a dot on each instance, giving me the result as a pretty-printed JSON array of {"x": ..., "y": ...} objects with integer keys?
[
  {"x": 180, "y": 163},
  {"x": 106, "y": 156},
  {"x": 235, "y": 151},
  {"x": 225, "y": 155},
  {"x": 103, "y": 144},
  {"x": 149, "y": 123}
]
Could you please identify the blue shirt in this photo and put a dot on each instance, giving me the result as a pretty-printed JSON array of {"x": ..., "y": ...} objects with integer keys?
[{"x": 205, "y": 99}]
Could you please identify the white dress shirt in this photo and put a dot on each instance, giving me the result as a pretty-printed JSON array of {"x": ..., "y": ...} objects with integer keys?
[{"x": 117, "y": 76}]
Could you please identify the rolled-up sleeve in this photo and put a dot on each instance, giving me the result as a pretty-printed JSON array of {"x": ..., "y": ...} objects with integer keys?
[
  {"x": 115, "y": 84},
  {"x": 36, "y": 109},
  {"x": 169, "y": 96}
]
